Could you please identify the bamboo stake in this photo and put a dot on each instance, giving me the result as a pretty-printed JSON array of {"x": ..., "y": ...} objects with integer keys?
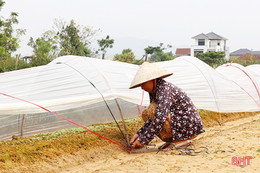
[{"x": 127, "y": 138}]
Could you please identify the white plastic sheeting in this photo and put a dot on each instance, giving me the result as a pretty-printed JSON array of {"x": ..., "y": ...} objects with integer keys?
[
  {"x": 74, "y": 87},
  {"x": 208, "y": 88},
  {"x": 65, "y": 83},
  {"x": 255, "y": 68},
  {"x": 245, "y": 78},
  {"x": 70, "y": 86}
]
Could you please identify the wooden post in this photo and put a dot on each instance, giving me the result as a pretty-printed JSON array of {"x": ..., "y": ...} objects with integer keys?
[
  {"x": 220, "y": 119},
  {"x": 24, "y": 115},
  {"x": 123, "y": 121},
  {"x": 146, "y": 57},
  {"x": 16, "y": 62},
  {"x": 18, "y": 124}
]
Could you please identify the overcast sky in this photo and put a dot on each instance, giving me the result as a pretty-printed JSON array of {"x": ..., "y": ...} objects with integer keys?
[{"x": 136, "y": 24}]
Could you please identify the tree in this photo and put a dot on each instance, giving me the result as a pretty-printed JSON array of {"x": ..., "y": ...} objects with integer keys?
[
  {"x": 9, "y": 64},
  {"x": 104, "y": 44},
  {"x": 150, "y": 50},
  {"x": 64, "y": 39},
  {"x": 9, "y": 40},
  {"x": 74, "y": 39},
  {"x": 161, "y": 56},
  {"x": 44, "y": 48},
  {"x": 1, "y": 4},
  {"x": 212, "y": 58},
  {"x": 126, "y": 56}
]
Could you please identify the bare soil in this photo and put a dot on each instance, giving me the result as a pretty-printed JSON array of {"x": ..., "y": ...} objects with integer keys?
[{"x": 239, "y": 136}]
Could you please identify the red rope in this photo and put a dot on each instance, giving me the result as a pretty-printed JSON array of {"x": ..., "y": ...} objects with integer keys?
[
  {"x": 129, "y": 149},
  {"x": 140, "y": 108}
]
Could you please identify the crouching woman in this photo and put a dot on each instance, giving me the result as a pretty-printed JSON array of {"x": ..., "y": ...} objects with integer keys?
[{"x": 173, "y": 117}]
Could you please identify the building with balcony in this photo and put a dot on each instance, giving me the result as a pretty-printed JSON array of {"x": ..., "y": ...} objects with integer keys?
[{"x": 209, "y": 42}]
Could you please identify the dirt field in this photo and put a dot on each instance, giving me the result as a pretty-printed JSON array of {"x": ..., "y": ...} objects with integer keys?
[{"x": 239, "y": 138}]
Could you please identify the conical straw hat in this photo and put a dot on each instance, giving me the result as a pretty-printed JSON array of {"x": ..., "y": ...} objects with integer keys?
[{"x": 147, "y": 72}]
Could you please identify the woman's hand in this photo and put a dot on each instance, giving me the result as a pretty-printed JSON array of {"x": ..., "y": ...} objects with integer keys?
[
  {"x": 134, "y": 139},
  {"x": 137, "y": 144},
  {"x": 134, "y": 142}
]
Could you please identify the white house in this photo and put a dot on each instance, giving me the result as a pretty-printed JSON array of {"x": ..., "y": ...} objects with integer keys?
[{"x": 209, "y": 42}]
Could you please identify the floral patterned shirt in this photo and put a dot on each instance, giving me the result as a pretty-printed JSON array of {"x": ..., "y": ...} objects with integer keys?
[{"x": 185, "y": 119}]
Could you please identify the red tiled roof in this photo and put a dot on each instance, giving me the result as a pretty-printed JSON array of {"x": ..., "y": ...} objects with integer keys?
[{"x": 182, "y": 51}]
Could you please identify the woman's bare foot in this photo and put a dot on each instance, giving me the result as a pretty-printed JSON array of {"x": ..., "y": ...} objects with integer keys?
[{"x": 181, "y": 144}]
